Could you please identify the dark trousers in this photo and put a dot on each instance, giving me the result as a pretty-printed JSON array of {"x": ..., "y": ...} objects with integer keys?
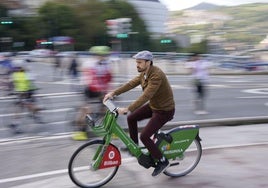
[
  {"x": 200, "y": 90},
  {"x": 158, "y": 119}
]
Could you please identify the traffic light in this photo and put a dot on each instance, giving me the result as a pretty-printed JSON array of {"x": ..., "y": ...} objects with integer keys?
[
  {"x": 165, "y": 41},
  {"x": 112, "y": 27},
  {"x": 119, "y": 27},
  {"x": 124, "y": 25}
]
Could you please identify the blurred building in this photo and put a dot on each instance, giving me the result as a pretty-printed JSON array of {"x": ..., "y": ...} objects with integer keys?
[
  {"x": 154, "y": 14},
  {"x": 11, "y": 4}
]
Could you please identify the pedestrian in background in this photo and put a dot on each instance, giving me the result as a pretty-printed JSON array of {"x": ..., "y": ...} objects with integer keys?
[
  {"x": 199, "y": 69},
  {"x": 73, "y": 72},
  {"x": 57, "y": 73}
]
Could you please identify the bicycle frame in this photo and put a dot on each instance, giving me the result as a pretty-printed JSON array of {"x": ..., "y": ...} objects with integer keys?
[
  {"x": 172, "y": 143},
  {"x": 109, "y": 128}
]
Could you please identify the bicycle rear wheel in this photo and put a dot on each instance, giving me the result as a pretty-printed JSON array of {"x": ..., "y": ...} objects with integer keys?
[
  {"x": 80, "y": 170},
  {"x": 183, "y": 166}
]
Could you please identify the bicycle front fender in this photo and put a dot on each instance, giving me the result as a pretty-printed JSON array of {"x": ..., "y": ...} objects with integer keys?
[{"x": 106, "y": 157}]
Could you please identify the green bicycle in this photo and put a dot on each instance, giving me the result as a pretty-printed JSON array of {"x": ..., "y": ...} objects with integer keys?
[{"x": 96, "y": 162}]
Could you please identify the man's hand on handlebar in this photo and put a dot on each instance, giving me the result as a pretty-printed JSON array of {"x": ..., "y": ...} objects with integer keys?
[
  {"x": 109, "y": 95},
  {"x": 121, "y": 111}
]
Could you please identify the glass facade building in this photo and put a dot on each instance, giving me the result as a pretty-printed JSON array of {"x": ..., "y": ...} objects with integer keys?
[{"x": 154, "y": 14}]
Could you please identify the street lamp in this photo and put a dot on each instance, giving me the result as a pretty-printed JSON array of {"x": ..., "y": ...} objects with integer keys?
[{"x": 6, "y": 21}]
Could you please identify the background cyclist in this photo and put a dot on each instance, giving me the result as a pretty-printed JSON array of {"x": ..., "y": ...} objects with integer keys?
[
  {"x": 24, "y": 90},
  {"x": 97, "y": 82}
]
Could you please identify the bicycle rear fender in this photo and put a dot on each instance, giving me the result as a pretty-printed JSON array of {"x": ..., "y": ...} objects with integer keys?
[{"x": 182, "y": 137}]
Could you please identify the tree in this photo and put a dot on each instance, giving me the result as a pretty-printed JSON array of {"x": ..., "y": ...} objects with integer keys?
[
  {"x": 135, "y": 42},
  {"x": 85, "y": 21},
  {"x": 92, "y": 31},
  {"x": 57, "y": 19}
]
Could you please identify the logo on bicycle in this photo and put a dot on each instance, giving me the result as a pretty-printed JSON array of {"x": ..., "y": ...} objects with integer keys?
[
  {"x": 166, "y": 147},
  {"x": 111, "y": 157},
  {"x": 111, "y": 154}
]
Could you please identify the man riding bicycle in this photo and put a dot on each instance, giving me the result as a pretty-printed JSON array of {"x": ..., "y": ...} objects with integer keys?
[{"x": 156, "y": 103}]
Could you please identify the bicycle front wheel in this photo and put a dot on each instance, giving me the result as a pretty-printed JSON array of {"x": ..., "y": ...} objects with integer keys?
[
  {"x": 80, "y": 170},
  {"x": 186, "y": 164}
]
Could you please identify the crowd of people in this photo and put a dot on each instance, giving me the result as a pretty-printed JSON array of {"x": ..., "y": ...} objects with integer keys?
[
  {"x": 20, "y": 83},
  {"x": 156, "y": 103},
  {"x": 96, "y": 83}
]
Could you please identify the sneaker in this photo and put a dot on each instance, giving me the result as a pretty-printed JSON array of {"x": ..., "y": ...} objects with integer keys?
[
  {"x": 114, "y": 137},
  {"x": 80, "y": 136},
  {"x": 161, "y": 166}
]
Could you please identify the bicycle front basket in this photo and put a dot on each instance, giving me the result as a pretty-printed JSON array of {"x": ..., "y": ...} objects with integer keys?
[{"x": 96, "y": 124}]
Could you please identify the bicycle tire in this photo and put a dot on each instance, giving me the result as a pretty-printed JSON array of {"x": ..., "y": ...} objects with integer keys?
[
  {"x": 183, "y": 166},
  {"x": 79, "y": 167}
]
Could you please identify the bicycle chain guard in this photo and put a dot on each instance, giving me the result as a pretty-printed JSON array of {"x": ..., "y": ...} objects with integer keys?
[{"x": 176, "y": 141}]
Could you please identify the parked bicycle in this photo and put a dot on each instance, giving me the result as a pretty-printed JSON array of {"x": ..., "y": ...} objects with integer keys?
[{"x": 96, "y": 162}]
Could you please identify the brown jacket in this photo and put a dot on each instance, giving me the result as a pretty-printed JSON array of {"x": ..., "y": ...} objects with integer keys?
[{"x": 156, "y": 90}]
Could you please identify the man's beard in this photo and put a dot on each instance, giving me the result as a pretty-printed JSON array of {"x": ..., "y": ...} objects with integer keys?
[{"x": 140, "y": 69}]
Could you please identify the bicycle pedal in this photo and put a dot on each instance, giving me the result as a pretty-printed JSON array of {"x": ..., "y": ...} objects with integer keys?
[{"x": 174, "y": 164}]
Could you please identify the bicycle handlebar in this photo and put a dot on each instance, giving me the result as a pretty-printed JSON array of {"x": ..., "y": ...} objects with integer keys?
[{"x": 110, "y": 105}]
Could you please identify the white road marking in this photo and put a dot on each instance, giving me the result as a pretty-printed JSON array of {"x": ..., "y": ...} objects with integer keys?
[
  {"x": 262, "y": 91},
  {"x": 7, "y": 180},
  {"x": 46, "y": 111},
  {"x": 218, "y": 86},
  {"x": 253, "y": 97},
  {"x": 238, "y": 81},
  {"x": 34, "y": 138}
]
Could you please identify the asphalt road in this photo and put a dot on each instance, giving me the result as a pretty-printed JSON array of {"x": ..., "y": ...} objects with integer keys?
[{"x": 233, "y": 156}]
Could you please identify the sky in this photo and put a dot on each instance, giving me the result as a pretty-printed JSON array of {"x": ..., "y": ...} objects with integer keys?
[{"x": 183, "y": 4}]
